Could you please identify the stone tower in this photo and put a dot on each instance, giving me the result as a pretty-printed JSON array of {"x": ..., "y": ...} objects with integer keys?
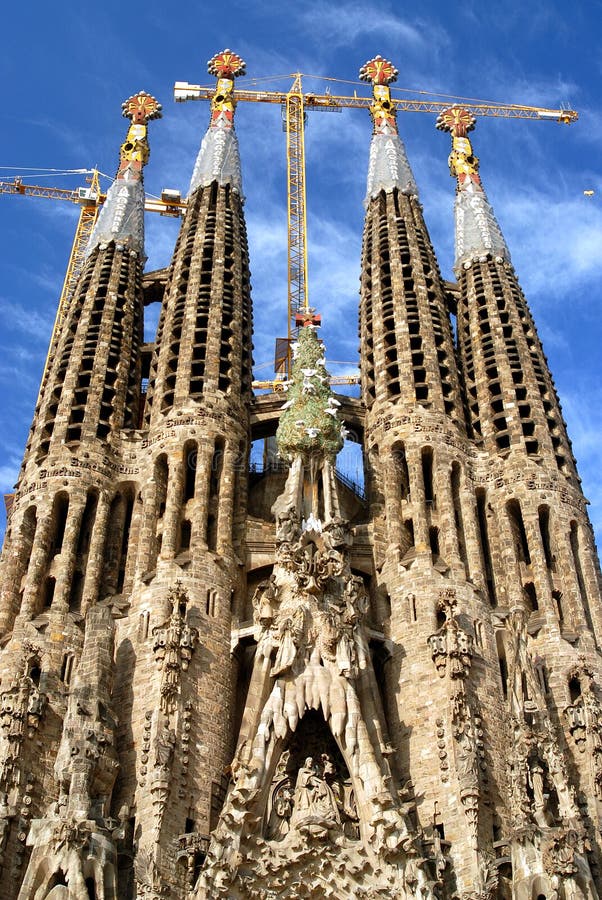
[{"x": 223, "y": 682}]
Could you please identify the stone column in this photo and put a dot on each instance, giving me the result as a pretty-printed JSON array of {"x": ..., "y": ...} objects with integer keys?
[
  {"x": 226, "y": 500},
  {"x": 68, "y": 553},
  {"x": 421, "y": 527},
  {"x": 198, "y": 538},
  {"x": 148, "y": 530},
  {"x": 510, "y": 575},
  {"x": 450, "y": 549},
  {"x": 392, "y": 492},
  {"x": 472, "y": 537},
  {"x": 173, "y": 509},
  {"x": 37, "y": 564},
  {"x": 541, "y": 575},
  {"x": 98, "y": 539},
  {"x": 15, "y": 560}
]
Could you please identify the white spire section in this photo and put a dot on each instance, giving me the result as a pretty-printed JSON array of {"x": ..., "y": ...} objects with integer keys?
[
  {"x": 121, "y": 218},
  {"x": 477, "y": 229},
  {"x": 218, "y": 158},
  {"x": 388, "y": 167}
]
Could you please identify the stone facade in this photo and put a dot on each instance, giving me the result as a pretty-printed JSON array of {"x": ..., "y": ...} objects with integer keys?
[{"x": 218, "y": 682}]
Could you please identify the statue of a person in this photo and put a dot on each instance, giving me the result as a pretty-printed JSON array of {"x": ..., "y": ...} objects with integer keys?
[
  {"x": 291, "y": 628},
  {"x": 467, "y": 761},
  {"x": 165, "y": 746},
  {"x": 264, "y": 602},
  {"x": 282, "y": 808}
]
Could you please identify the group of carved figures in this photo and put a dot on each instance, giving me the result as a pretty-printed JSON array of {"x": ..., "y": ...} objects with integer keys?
[{"x": 318, "y": 798}]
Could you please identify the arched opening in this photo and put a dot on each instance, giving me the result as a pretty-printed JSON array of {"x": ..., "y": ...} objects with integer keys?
[
  {"x": 574, "y": 688},
  {"x": 311, "y": 783}
]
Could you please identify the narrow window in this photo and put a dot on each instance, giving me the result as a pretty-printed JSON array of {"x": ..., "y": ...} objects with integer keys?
[
  {"x": 190, "y": 462},
  {"x": 485, "y": 548},
  {"x": 503, "y": 664},
  {"x": 530, "y": 596},
  {"x": 59, "y": 513},
  {"x": 519, "y": 534},
  {"x": 544, "y": 530},
  {"x": 434, "y": 540},
  {"x": 185, "y": 530},
  {"x": 427, "y": 475}
]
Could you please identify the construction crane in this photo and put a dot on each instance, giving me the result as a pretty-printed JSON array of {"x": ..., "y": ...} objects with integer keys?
[
  {"x": 90, "y": 200},
  {"x": 280, "y": 384},
  {"x": 294, "y": 103}
]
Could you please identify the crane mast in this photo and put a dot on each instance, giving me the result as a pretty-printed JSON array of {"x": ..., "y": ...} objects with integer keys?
[{"x": 298, "y": 297}]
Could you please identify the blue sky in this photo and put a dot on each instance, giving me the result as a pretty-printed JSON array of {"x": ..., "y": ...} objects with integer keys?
[{"x": 67, "y": 71}]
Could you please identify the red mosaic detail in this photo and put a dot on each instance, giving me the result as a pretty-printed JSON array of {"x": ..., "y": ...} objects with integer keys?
[
  {"x": 379, "y": 71},
  {"x": 141, "y": 108},
  {"x": 456, "y": 120},
  {"x": 226, "y": 65}
]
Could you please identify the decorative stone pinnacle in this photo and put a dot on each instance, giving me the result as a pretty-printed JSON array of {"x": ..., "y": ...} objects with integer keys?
[
  {"x": 378, "y": 71},
  {"x": 140, "y": 108},
  {"x": 218, "y": 158},
  {"x": 226, "y": 65},
  {"x": 463, "y": 164},
  {"x": 121, "y": 218},
  {"x": 456, "y": 120}
]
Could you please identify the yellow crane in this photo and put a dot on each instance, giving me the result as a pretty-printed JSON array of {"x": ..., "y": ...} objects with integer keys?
[{"x": 294, "y": 103}]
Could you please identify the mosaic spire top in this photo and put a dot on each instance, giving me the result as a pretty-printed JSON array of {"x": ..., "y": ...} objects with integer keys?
[
  {"x": 218, "y": 158},
  {"x": 388, "y": 167},
  {"x": 477, "y": 231},
  {"x": 122, "y": 215}
]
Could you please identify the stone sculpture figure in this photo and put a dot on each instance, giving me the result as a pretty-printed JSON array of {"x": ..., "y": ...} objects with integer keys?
[{"x": 313, "y": 800}]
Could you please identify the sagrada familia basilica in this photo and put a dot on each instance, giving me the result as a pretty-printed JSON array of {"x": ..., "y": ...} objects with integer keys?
[{"x": 217, "y": 682}]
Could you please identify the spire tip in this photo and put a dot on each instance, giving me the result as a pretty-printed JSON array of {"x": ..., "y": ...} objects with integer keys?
[
  {"x": 378, "y": 71},
  {"x": 140, "y": 108},
  {"x": 226, "y": 64}
]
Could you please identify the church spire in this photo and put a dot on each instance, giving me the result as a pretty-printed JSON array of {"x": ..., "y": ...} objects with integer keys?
[
  {"x": 389, "y": 167},
  {"x": 122, "y": 216},
  {"x": 218, "y": 158},
  {"x": 477, "y": 230}
]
